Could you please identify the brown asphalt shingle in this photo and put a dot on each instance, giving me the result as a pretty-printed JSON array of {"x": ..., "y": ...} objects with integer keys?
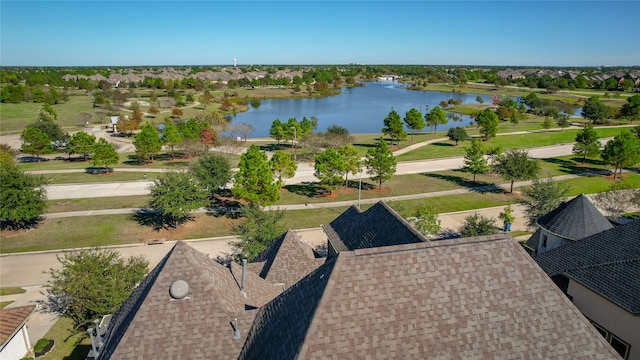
[{"x": 11, "y": 319}]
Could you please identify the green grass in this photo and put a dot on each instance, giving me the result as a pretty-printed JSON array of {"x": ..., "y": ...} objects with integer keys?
[
  {"x": 116, "y": 202},
  {"x": 4, "y": 304},
  {"x": 68, "y": 344},
  {"x": 74, "y": 178},
  {"x": 11, "y": 291}
]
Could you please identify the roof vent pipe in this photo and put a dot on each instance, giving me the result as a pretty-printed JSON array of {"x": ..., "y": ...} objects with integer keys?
[
  {"x": 236, "y": 329},
  {"x": 244, "y": 270},
  {"x": 93, "y": 343},
  {"x": 97, "y": 322}
]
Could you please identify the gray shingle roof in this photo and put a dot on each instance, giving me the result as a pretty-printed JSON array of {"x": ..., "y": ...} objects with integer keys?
[
  {"x": 593, "y": 260},
  {"x": 152, "y": 325},
  {"x": 378, "y": 226},
  {"x": 575, "y": 219},
  {"x": 287, "y": 260},
  {"x": 474, "y": 298}
]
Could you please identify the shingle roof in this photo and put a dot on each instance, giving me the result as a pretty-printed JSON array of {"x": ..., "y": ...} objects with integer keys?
[
  {"x": 474, "y": 298},
  {"x": 377, "y": 226},
  {"x": 152, "y": 325},
  {"x": 11, "y": 319},
  {"x": 287, "y": 260},
  {"x": 575, "y": 219},
  {"x": 593, "y": 259}
]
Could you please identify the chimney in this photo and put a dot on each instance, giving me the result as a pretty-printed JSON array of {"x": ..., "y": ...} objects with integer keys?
[
  {"x": 242, "y": 286},
  {"x": 236, "y": 330}
]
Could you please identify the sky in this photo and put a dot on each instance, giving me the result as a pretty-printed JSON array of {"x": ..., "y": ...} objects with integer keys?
[{"x": 500, "y": 33}]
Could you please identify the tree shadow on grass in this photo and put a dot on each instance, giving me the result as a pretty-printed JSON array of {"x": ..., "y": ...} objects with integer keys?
[
  {"x": 79, "y": 352},
  {"x": 310, "y": 190},
  {"x": 157, "y": 220},
  {"x": 479, "y": 186},
  {"x": 274, "y": 147},
  {"x": 443, "y": 144},
  {"x": 223, "y": 204}
]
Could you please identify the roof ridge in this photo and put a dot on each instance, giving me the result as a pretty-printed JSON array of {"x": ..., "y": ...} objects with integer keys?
[
  {"x": 617, "y": 262},
  {"x": 429, "y": 244}
]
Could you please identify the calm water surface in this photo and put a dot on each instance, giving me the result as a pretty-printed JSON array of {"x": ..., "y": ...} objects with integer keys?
[{"x": 360, "y": 109}]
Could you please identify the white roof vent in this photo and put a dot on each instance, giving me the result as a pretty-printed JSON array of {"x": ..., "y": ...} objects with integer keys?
[{"x": 179, "y": 289}]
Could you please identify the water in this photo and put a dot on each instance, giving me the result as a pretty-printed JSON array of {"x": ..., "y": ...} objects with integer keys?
[{"x": 359, "y": 109}]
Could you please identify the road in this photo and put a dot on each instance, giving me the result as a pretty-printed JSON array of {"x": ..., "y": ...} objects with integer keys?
[{"x": 303, "y": 174}]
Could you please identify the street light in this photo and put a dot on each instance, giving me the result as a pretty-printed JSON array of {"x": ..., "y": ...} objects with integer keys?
[{"x": 294, "y": 142}]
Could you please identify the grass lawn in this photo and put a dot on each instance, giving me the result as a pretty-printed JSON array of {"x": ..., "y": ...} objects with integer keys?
[
  {"x": 4, "y": 304},
  {"x": 68, "y": 344},
  {"x": 11, "y": 291},
  {"x": 116, "y": 202},
  {"x": 75, "y": 178}
]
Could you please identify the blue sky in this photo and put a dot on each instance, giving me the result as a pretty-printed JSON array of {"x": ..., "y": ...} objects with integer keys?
[{"x": 120, "y": 33}]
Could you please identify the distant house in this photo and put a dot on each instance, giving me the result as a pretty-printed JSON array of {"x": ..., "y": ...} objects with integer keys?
[{"x": 14, "y": 334}]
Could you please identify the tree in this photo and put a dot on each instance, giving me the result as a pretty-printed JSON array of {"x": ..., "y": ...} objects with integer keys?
[
  {"x": 191, "y": 129},
  {"x": 488, "y": 122},
  {"x": 245, "y": 129},
  {"x": 562, "y": 120},
  {"x": 208, "y": 138},
  {"x": 154, "y": 111},
  {"x": 93, "y": 283},
  {"x": 22, "y": 196},
  {"x": 380, "y": 163},
  {"x": 623, "y": 151},
  {"x": 516, "y": 165},
  {"x": 212, "y": 171},
  {"x": 104, "y": 154},
  {"x": 474, "y": 160},
  {"x": 172, "y": 135},
  {"x": 457, "y": 134},
  {"x": 257, "y": 232},
  {"x": 254, "y": 181},
  {"x": 595, "y": 110},
  {"x": 352, "y": 162},
  {"x": 515, "y": 119},
  {"x": 175, "y": 195},
  {"x": 176, "y": 112},
  {"x": 35, "y": 142},
  {"x": 544, "y": 196},
  {"x": 436, "y": 117},
  {"x": 620, "y": 197},
  {"x": 53, "y": 130},
  {"x": 127, "y": 125},
  {"x": 329, "y": 167},
  {"x": 631, "y": 110},
  {"x": 414, "y": 121},
  {"x": 478, "y": 225},
  {"x": 426, "y": 221},
  {"x": 479, "y": 99},
  {"x": 277, "y": 130},
  {"x": 282, "y": 166},
  {"x": 393, "y": 127},
  {"x": 147, "y": 142},
  {"x": 81, "y": 143},
  {"x": 587, "y": 143},
  {"x": 546, "y": 123},
  {"x": 507, "y": 217}
]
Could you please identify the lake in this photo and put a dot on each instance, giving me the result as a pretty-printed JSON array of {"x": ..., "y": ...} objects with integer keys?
[{"x": 359, "y": 109}]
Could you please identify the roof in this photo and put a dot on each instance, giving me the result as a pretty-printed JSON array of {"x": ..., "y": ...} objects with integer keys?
[
  {"x": 378, "y": 226},
  {"x": 151, "y": 324},
  {"x": 575, "y": 219},
  {"x": 473, "y": 298},
  {"x": 11, "y": 320},
  {"x": 607, "y": 263},
  {"x": 287, "y": 260}
]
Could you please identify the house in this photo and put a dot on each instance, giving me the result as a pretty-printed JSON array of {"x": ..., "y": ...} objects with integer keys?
[
  {"x": 571, "y": 221},
  {"x": 473, "y": 298},
  {"x": 378, "y": 226},
  {"x": 14, "y": 335}
]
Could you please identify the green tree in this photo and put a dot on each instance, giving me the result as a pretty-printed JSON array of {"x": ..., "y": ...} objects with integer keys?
[
  {"x": 595, "y": 110},
  {"x": 393, "y": 127},
  {"x": 623, "y": 151},
  {"x": 507, "y": 216},
  {"x": 436, "y": 117},
  {"x": 81, "y": 143},
  {"x": 542, "y": 197},
  {"x": 488, "y": 122},
  {"x": 547, "y": 124},
  {"x": 259, "y": 230},
  {"x": 587, "y": 143},
  {"x": 53, "y": 131},
  {"x": 22, "y": 196},
  {"x": 426, "y": 221},
  {"x": 277, "y": 130},
  {"x": 147, "y": 142},
  {"x": 172, "y": 136},
  {"x": 175, "y": 195},
  {"x": 620, "y": 198},
  {"x": 254, "y": 181},
  {"x": 478, "y": 225},
  {"x": 516, "y": 165},
  {"x": 329, "y": 167},
  {"x": 352, "y": 161},
  {"x": 104, "y": 154},
  {"x": 380, "y": 163},
  {"x": 414, "y": 121},
  {"x": 562, "y": 120},
  {"x": 474, "y": 158},
  {"x": 479, "y": 99},
  {"x": 191, "y": 129},
  {"x": 631, "y": 110},
  {"x": 457, "y": 134},
  {"x": 35, "y": 142},
  {"x": 212, "y": 171},
  {"x": 282, "y": 166},
  {"x": 92, "y": 283}
]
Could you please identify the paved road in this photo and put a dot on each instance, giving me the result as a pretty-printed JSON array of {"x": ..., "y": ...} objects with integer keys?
[{"x": 303, "y": 174}]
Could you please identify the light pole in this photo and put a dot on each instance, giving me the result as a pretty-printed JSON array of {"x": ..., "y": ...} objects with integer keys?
[
  {"x": 359, "y": 188},
  {"x": 295, "y": 140}
]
